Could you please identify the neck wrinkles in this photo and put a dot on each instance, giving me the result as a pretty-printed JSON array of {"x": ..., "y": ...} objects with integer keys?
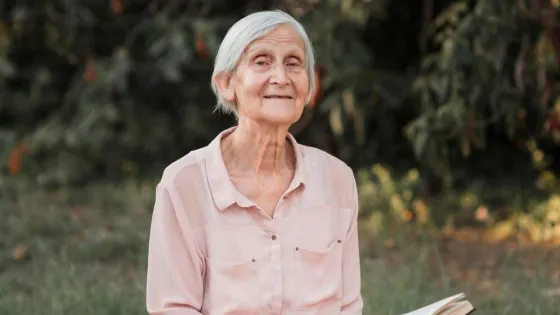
[{"x": 256, "y": 149}]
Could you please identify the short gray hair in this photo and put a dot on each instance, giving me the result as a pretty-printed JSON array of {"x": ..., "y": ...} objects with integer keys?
[{"x": 242, "y": 34}]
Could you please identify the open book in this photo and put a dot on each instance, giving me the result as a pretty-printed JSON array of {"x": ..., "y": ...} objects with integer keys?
[{"x": 453, "y": 305}]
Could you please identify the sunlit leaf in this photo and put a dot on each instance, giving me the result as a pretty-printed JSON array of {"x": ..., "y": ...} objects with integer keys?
[
  {"x": 19, "y": 253},
  {"x": 501, "y": 230},
  {"x": 117, "y": 6},
  {"x": 335, "y": 120}
]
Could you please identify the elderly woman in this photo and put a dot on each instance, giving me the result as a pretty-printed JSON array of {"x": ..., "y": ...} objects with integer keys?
[{"x": 255, "y": 223}]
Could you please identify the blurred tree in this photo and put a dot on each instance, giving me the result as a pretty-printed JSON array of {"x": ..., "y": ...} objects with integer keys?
[{"x": 108, "y": 88}]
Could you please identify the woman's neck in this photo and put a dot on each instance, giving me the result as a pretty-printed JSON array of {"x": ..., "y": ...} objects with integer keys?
[{"x": 258, "y": 149}]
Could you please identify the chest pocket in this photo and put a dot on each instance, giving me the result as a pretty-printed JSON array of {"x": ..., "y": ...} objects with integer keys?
[
  {"x": 318, "y": 257},
  {"x": 237, "y": 269}
]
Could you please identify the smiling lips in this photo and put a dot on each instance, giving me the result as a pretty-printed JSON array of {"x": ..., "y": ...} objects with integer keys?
[{"x": 286, "y": 97}]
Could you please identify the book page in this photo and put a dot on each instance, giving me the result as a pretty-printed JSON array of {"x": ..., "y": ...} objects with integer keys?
[
  {"x": 436, "y": 307},
  {"x": 460, "y": 308}
]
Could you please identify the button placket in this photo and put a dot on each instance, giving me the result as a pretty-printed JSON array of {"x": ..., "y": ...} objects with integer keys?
[
  {"x": 276, "y": 271},
  {"x": 279, "y": 210}
]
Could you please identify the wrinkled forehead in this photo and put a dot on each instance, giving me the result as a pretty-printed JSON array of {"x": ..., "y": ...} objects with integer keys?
[
  {"x": 283, "y": 34},
  {"x": 284, "y": 38}
]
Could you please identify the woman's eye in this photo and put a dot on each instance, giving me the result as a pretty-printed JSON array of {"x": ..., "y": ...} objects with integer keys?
[
  {"x": 260, "y": 63},
  {"x": 293, "y": 62}
]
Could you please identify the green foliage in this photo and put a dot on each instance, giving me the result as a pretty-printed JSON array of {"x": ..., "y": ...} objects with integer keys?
[
  {"x": 483, "y": 73},
  {"x": 107, "y": 97},
  {"x": 109, "y": 89}
]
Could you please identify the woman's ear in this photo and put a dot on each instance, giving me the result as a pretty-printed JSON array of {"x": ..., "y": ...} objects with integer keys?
[{"x": 225, "y": 88}]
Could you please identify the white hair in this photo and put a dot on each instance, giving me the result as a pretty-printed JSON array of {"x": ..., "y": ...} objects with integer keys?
[{"x": 242, "y": 34}]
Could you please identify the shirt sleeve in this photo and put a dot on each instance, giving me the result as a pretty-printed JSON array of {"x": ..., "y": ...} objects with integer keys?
[
  {"x": 352, "y": 302},
  {"x": 175, "y": 269}
]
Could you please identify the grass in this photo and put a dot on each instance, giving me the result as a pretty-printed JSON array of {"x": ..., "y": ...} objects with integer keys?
[
  {"x": 84, "y": 252},
  {"x": 412, "y": 274}
]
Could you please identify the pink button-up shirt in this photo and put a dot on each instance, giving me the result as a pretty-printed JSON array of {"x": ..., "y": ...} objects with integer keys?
[{"x": 212, "y": 251}]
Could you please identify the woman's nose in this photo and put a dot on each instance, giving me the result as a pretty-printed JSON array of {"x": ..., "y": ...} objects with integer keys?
[{"x": 279, "y": 75}]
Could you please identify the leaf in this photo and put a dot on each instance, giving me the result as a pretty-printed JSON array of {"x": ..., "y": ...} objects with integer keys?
[
  {"x": 348, "y": 102},
  {"x": 117, "y": 6},
  {"x": 15, "y": 159},
  {"x": 407, "y": 215},
  {"x": 428, "y": 61},
  {"x": 422, "y": 211},
  {"x": 420, "y": 143},
  {"x": 501, "y": 231},
  {"x": 19, "y": 253},
  {"x": 89, "y": 70},
  {"x": 200, "y": 47},
  {"x": 451, "y": 13},
  {"x": 446, "y": 58},
  {"x": 335, "y": 120}
]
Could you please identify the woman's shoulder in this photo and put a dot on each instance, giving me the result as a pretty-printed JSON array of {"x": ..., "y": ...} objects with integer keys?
[
  {"x": 190, "y": 165},
  {"x": 331, "y": 176},
  {"x": 317, "y": 159}
]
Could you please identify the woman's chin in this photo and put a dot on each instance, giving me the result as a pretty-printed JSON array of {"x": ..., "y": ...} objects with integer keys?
[{"x": 277, "y": 117}]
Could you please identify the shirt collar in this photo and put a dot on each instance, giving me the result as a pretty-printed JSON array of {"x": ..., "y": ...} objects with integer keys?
[{"x": 223, "y": 191}]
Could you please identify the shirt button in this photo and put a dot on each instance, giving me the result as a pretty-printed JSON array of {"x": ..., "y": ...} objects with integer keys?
[
  {"x": 273, "y": 237},
  {"x": 285, "y": 197}
]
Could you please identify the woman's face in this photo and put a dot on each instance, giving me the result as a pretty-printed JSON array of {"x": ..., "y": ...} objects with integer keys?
[{"x": 270, "y": 84}]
